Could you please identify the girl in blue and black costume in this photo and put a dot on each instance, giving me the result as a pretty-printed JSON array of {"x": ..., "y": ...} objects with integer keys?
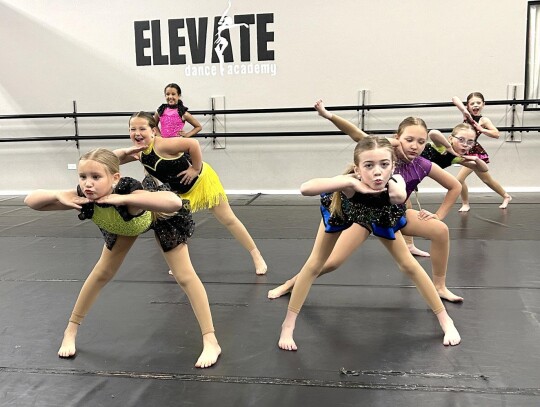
[
  {"x": 409, "y": 141},
  {"x": 177, "y": 161},
  {"x": 123, "y": 210},
  {"x": 369, "y": 198}
]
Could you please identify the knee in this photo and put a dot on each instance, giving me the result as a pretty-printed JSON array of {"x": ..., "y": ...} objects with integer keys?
[
  {"x": 184, "y": 279},
  {"x": 313, "y": 268},
  {"x": 409, "y": 268},
  {"x": 228, "y": 221},
  {"x": 103, "y": 276},
  {"x": 440, "y": 232}
]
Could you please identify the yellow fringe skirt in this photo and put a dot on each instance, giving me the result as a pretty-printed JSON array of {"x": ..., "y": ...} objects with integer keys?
[{"x": 207, "y": 191}]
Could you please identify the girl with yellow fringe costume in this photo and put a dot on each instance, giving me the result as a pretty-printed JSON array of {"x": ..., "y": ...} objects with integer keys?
[{"x": 177, "y": 162}]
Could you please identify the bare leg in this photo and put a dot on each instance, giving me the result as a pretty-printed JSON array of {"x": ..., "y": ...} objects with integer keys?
[
  {"x": 347, "y": 243},
  {"x": 415, "y": 251},
  {"x": 227, "y": 218},
  {"x": 180, "y": 264},
  {"x": 463, "y": 173},
  {"x": 496, "y": 187},
  {"x": 104, "y": 270},
  {"x": 437, "y": 233},
  {"x": 324, "y": 243},
  {"x": 409, "y": 266}
]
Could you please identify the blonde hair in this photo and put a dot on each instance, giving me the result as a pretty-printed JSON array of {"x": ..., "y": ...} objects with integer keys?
[
  {"x": 410, "y": 121},
  {"x": 462, "y": 126},
  {"x": 112, "y": 164},
  {"x": 105, "y": 157},
  {"x": 366, "y": 144}
]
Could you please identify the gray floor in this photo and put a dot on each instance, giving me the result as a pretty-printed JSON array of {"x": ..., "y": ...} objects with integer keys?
[{"x": 139, "y": 343}]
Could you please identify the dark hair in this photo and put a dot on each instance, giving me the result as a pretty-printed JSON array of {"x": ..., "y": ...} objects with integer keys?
[
  {"x": 181, "y": 108},
  {"x": 147, "y": 116},
  {"x": 475, "y": 95}
]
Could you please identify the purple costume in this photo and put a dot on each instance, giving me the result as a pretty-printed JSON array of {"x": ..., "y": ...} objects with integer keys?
[{"x": 413, "y": 172}]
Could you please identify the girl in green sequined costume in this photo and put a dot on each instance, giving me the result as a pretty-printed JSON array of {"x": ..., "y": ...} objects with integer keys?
[
  {"x": 123, "y": 210},
  {"x": 374, "y": 164}
]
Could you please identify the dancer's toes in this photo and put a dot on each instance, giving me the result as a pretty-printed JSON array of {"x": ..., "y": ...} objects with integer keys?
[
  {"x": 415, "y": 251},
  {"x": 261, "y": 268},
  {"x": 287, "y": 344},
  {"x": 452, "y": 338},
  {"x": 286, "y": 341},
  {"x": 260, "y": 265},
  {"x": 210, "y": 353},
  {"x": 278, "y": 292},
  {"x": 506, "y": 201},
  {"x": 448, "y": 295},
  {"x": 67, "y": 348},
  {"x": 451, "y": 334},
  {"x": 465, "y": 208}
]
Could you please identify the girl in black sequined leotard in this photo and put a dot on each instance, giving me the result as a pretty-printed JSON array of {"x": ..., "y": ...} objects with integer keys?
[
  {"x": 198, "y": 183},
  {"x": 368, "y": 198}
]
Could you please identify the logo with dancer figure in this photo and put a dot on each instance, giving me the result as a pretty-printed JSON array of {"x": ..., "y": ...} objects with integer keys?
[
  {"x": 225, "y": 23},
  {"x": 188, "y": 38}
]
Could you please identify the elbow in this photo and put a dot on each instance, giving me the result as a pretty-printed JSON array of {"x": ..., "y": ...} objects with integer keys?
[
  {"x": 176, "y": 202},
  {"x": 398, "y": 199},
  {"x": 173, "y": 203},
  {"x": 306, "y": 190},
  {"x": 31, "y": 202},
  {"x": 28, "y": 202}
]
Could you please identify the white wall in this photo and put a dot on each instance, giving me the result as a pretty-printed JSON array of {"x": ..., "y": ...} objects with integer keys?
[{"x": 401, "y": 51}]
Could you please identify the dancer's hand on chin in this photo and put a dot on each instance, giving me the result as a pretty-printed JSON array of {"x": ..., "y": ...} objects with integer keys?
[{"x": 72, "y": 201}]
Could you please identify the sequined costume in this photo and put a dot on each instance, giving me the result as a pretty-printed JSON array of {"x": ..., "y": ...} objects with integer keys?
[
  {"x": 373, "y": 212},
  {"x": 116, "y": 220},
  {"x": 170, "y": 119},
  {"x": 203, "y": 192},
  {"x": 477, "y": 150},
  {"x": 413, "y": 172},
  {"x": 438, "y": 156}
]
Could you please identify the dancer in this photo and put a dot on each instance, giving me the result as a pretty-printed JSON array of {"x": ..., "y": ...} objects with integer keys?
[
  {"x": 482, "y": 125},
  {"x": 454, "y": 150},
  {"x": 123, "y": 210},
  {"x": 172, "y": 116},
  {"x": 192, "y": 179},
  {"x": 367, "y": 198},
  {"x": 410, "y": 140},
  {"x": 444, "y": 153}
]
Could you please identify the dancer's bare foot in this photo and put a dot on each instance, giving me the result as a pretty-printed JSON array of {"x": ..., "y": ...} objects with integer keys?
[
  {"x": 260, "y": 265},
  {"x": 506, "y": 201},
  {"x": 67, "y": 348},
  {"x": 319, "y": 107},
  {"x": 415, "y": 251},
  {"x": 464, "y": 208},
  {"x": 210, "y": 353},
  {"x": 283, "y": 289},
  {"x": 451, "y": 334},
  {"x": 448, "y": 295},
  {"x": 286, "y": 341}
]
